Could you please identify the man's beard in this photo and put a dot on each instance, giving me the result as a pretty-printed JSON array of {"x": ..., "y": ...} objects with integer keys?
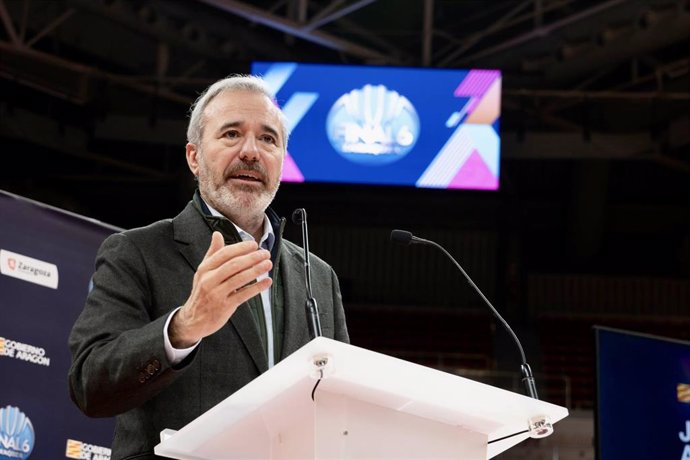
[{"x": 236, "y": 200}]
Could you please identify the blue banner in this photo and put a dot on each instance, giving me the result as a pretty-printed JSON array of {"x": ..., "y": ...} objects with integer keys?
[
  {"x": 643, "y": 396},
  {"x": 46, "y": 262}
]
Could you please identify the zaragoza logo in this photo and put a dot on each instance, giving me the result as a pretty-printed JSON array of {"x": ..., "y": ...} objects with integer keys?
[
  {"x": 28, "y": 269},
  {"x": 16, "y": 434}
]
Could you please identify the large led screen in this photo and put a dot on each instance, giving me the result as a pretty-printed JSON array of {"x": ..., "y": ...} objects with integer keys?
[
  {"x": 643, "y": 397},
  {"x": 418, "y": 127}
]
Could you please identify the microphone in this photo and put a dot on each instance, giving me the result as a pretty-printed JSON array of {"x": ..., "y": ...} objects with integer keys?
[
  {"x": 539, "y": 427},
  {"x": 299, "y": 217},
  {"x": 404, "y": 237}
]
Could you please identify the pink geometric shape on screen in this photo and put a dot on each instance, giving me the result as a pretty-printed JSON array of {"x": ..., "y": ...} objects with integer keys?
[
  {"x": 291, "y": 172},
  {"x": 471, "y": 105},
  {"x": 474, "y": 174},
  {"x": 476, "y": 83},
  {"x": 487, "y": 108}
]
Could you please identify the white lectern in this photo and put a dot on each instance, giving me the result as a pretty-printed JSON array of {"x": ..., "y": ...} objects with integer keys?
[{"x": 366, "y": 406}]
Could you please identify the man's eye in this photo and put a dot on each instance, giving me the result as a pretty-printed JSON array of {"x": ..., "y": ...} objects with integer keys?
[
  {"x": 232, "y": 134},
  {"x": 268, "y": 138}
]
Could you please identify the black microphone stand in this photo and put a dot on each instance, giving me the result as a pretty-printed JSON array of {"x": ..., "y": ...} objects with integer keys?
[
  {"x": 405, "y": 238},
  {"x": 299, "y": 216},
  {"x": 539, "y": 426}
]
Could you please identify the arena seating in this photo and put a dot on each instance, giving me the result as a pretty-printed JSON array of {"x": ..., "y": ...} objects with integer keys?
[
  {"x": 435, "y": 337},
  {"x": 568, "y": 350}
]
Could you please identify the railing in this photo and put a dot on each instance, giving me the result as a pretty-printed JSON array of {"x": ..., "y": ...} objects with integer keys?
[
  {"x": 556, "y": 389},
  {"x": 443, "y": 361}
]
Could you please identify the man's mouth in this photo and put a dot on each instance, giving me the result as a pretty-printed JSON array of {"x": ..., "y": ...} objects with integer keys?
[{"x": 247, "y": 176}]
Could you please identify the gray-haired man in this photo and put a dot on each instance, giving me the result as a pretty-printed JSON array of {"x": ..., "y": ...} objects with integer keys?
[{"x": 186, "y": 311}]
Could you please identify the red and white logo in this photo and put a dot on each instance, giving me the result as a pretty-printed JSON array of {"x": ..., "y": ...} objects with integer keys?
[{"x": 12, "y": 263}]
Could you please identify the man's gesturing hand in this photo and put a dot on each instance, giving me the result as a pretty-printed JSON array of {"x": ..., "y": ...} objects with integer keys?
[{"x": 221, "y": 284}]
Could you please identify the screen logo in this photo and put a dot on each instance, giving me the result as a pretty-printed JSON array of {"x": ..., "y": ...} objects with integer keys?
[
  {"x": 372, "y": 125},
  {"x": 16, "y": 434}
]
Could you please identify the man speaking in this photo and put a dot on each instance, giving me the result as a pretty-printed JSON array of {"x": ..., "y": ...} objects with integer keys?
[{"x": 186, "y": 311}]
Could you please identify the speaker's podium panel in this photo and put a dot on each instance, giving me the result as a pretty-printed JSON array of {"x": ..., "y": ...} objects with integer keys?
[{"x": 366, "y": 406}]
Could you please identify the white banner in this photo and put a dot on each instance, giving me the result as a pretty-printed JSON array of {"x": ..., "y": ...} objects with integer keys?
[{"x": 28, "y": 269}]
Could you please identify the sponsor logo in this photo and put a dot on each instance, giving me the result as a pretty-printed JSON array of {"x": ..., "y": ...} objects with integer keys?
[
  {"x": 82, "y": 451},
  {"x": 23, "y": 352},
  {"x": 683, "y": 392},
  {"x": 16, "y": 434},
  {"x": 373, "y": 125},
  {"x": 28, "y": 269}
]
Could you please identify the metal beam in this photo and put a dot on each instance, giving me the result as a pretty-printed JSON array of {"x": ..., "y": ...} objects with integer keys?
[
  {"x": 48, "y": 63},
  {"x": 477, "y": 37},
  {"x": 66, "y": 139},
  {"x": 453, "y": 42},
  {"x": 7, "y": 22},
  {"x": 25, "y": 18},
  {"x": 540, "y": 32},
  {"x": 615, "y": 95},
  {"x": 428, "y": 32},
  {"x": 318, "y": 22},
  {"x": 572, "y": 145},
  {"x": 326, "y": 11},
  {"x": 49, "y": 28},
  {"x": 254, "y": 14},
  {"x": 401, "y": 57}
]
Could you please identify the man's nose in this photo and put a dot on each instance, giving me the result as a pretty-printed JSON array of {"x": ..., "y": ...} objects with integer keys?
[{"x": 250, "y": 149}]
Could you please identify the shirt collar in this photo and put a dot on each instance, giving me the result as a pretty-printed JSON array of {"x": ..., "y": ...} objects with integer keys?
[{"x": 267, "y": 238}]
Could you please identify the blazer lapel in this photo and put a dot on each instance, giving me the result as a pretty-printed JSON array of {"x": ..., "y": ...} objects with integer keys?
[
  {"x": 193, "y": 237},
  {"x": 246, "y": 328}
]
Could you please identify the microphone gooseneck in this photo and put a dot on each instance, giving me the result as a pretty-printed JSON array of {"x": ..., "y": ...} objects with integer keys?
[
  {"x": 406, "y": 238},
  {"x": 299, "y": 217}
]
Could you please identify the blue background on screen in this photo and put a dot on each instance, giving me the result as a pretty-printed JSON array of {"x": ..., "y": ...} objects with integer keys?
[{"x": 429, "y": 90}]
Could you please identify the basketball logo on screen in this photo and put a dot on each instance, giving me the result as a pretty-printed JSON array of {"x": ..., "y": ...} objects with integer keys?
[
  {"x": 16, "y": 434},
  {"x": 373, "y": 125}
]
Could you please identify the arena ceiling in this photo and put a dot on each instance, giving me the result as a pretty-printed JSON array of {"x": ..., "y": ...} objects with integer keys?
[{"x": 104, "y": 85}]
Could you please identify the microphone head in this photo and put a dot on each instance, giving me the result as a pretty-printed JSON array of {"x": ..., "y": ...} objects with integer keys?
[
  {"x": 299, "y": 215},
  {"x": 402, "y": 237}
]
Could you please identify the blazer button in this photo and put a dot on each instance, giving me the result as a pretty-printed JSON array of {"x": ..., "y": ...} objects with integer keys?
[
  {"x": 156, "y": 365},
  {"x": 150, "y": 369},
  {"x": 142, "y": 377}
]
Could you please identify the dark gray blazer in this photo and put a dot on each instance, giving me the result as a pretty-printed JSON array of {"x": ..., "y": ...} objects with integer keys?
[{"x": 119, "y": 365}]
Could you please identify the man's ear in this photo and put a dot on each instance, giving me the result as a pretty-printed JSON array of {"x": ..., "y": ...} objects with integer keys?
[{"x": 192, "y": 153}]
